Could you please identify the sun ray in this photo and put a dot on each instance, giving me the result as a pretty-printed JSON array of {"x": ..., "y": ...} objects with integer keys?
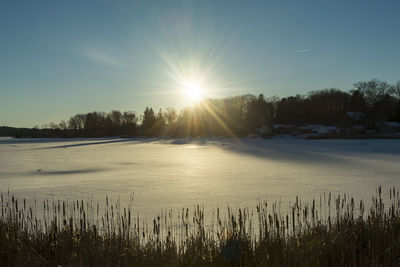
[{"x": 219, "y": 120}]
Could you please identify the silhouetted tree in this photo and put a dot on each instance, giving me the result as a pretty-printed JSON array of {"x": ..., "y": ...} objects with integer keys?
[
  {"x": 373, "y": 90},
  {"x": 77, "y": 122},
  {"x": 63, "y": 125},
  {"x": 380, "y": 102},
  {"x": 395, "y": 90},
  {"x": 326, "y": 106},
  {"x": 170, "y": 116},
  {"x": 129, "y": 123},
  {"x": 258, "y": 113},
  {"x": 396, "y": 93},
  {"x": 357, "y": 101},
  {"x": 234, "y": 116},
  {"x": 291, "y": 110},
  {"x": 159, "y": 125},
  {"x": 148, "y": 121}
]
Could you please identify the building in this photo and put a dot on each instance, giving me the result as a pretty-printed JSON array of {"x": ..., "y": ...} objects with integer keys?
[{"x": 388, "y": 127}]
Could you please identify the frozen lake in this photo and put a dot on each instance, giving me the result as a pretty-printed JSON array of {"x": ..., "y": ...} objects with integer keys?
[{"x": 176, "y": 173}]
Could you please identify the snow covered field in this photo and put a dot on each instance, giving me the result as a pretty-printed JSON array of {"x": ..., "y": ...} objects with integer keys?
[{"x": 176, "y": 173}]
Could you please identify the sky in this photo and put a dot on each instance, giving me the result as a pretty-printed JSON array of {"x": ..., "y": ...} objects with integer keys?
[{"x": 60, "y": 58}]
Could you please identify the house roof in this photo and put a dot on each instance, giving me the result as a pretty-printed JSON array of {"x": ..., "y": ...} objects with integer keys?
[
  {"x": 355, "y": 115},
  {"x": 392, "y": 123}
]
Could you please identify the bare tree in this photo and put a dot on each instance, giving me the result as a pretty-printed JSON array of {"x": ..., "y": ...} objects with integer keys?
[
  {"x": 395, "y": 90},
  {"x": 373, "y": 90},
  {"x": 62, "y": 125}
]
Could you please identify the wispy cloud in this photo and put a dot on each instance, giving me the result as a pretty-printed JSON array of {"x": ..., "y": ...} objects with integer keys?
[
  {"x": 307, "y": 50},
  {"x": 100, "y": 57}
]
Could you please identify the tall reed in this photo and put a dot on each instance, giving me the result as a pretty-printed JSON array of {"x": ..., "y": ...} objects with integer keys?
[{"x": 332, "y": 230}]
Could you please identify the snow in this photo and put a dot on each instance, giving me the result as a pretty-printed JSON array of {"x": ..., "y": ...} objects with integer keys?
[
  {"x": 177, "y": 173},
  {"x": 326, "y": 129},
  {"x": 277, "y": 126},
  {"x": 315, "y": 128}
]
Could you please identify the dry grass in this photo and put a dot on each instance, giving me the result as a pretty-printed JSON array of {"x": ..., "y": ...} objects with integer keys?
[{"x": 329, "y": 231}]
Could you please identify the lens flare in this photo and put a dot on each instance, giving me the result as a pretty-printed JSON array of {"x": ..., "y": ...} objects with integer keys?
[{"x": 193, "y": 91}]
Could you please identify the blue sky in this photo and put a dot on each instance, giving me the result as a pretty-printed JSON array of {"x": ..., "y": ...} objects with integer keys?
[{"x": 59, "y": 58}]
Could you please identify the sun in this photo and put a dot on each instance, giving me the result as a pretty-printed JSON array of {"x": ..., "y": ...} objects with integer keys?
[{"x": 193, "y": 91}]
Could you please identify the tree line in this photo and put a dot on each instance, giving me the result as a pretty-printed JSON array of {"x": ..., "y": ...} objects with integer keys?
[{"x": 233, "y": 116}]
